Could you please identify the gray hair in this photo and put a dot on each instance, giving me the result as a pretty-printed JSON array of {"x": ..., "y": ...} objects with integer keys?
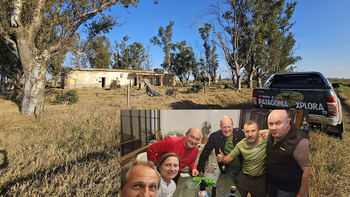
[{"x": 125, "y": 170}]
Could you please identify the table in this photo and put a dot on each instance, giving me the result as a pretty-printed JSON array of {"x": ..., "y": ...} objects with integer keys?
[{"x": 224, "y": 181}]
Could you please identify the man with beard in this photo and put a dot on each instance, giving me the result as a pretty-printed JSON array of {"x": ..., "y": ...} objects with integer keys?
[
  {"x": 185, "y": 147},
  {"x": 251, "y": 179}
]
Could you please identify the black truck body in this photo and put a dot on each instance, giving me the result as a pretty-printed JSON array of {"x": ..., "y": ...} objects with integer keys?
[{"x": 303, "y": 90}]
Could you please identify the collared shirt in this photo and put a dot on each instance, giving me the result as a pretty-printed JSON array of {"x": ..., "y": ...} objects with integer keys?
[{"x": 228, "y": 148}]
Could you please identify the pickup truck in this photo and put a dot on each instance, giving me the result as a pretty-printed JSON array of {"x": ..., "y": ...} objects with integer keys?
[{"x": 303, "y": 91}]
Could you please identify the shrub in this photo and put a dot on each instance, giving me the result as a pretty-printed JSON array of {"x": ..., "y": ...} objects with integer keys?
[
  {"x": 195, "y": 89},
  {"x": 170, "y": 91},
  {"x": 68, "y": 97}
]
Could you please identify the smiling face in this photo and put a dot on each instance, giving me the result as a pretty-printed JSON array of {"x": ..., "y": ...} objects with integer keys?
[
  {"x": 192, "y": 138},
  {"x": 143, "y": 181},
  {"x": 169, "y": 168},
  {"x": 279, "y": 123},
  {"x": 226, "y": 127}
]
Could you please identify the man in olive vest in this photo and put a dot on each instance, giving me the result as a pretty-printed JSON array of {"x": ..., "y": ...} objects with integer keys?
[{"x": 287, "y": 157}]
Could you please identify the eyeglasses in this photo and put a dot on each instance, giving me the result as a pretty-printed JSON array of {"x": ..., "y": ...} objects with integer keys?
[{"x": 194, "y": 139}]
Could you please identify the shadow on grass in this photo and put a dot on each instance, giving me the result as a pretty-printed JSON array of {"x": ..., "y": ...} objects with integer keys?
[
  {"x": 54, "y": 170},
  {"x": 187, "y": 104},
  {"x": 5, "y": 161},
  {"x": 345, "y": 108},
  {"x": 15, "y": 97}
]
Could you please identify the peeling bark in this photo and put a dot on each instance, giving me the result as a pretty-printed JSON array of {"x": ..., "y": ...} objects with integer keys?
[
  {"x": 16, "y": 11},
  {"x": 34, "y": 88}
]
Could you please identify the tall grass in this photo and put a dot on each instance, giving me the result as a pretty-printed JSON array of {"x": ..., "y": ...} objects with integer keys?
[
  {"x": 329, "y": 157},
  {"x": 69, "y": 151}
]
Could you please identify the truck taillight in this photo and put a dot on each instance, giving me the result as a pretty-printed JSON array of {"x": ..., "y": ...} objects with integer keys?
[
  {"x": 254, "y": 99},
  {"x": 332, "y": 106}
]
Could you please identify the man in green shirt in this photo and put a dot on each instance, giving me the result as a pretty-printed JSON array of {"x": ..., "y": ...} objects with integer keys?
[{"x": 251, "y": 179}]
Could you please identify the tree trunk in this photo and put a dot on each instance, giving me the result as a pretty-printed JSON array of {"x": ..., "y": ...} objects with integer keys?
[
  {"x": 2, "y": 84},
  {"x": 259, "y": 81},
  {"x": 239, "y": 82},
  {"x": 34, "y": 88},
  {"x": 239, "y": 77},
  {"x": 250, "y": 80}
]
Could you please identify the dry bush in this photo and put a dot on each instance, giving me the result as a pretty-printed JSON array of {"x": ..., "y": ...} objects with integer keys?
[{"x": 73, "y": 150}]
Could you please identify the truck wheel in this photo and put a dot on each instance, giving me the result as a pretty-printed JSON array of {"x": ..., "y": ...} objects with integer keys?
[{"x": 337, "y": 130}]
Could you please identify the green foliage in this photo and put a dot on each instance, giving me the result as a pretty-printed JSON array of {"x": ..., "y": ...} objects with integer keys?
[
  {"x": 99, "y": 52},
  {"x": 164, "y": 40},
  {"x": 195, "y": 89},
  {"x": 170, "y": 91},
  {"x": 129, "y": 57},
  {"x": 182, "y": 60},
  {"x": 68, "y": 97},
  {"x": 115, "y": 86}
]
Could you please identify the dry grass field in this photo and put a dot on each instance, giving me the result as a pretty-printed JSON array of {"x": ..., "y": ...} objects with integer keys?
[{"x": 72, "y": 150}]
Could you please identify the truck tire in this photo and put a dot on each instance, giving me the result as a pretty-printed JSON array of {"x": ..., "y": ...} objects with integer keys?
[{"x": 337, "y": 130}]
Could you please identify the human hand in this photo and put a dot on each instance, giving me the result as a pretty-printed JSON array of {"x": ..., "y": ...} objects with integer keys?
[
  {"x": 220, "y": 156},
  {"x": 265, "y": 136},
  {"x": 195, "y": 172}
]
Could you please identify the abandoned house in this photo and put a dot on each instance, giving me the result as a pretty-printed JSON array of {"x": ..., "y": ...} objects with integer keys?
[{"x": 102, "y": 78}]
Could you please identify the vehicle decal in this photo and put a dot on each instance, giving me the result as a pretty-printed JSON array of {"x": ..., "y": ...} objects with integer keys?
[
  {"x": 277, "y": 103},
  {"x": 311, "y": 106},
  {"x": 289, "y": 99}
]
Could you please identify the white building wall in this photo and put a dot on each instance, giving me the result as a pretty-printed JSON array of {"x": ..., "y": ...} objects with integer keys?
[
  {"x": 181, "y": 120},
  {"x": 83, "y": 78}
]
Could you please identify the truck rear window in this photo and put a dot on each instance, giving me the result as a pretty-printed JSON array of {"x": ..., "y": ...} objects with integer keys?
[{"x": 298, "y": 81}]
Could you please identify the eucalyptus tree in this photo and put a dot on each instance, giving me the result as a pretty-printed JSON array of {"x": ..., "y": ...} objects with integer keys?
[
  {"x": 55, "y": 67},
  {"x": 211, "y": 57},
  {"x": 137, "y": 55},
  {"x": 274, "y": 44},
  {"x": 230, "y": 29},
  {"x": 182, "y": 61},
  {"x": 75, "y": 58},
  {"x": 121, "y": 57},
  {"x": 129, "y": 56},
  {"x": 36, "y": 30},
  {"x": 99, "y": 52},
  {"x": 164, "y": 41}
]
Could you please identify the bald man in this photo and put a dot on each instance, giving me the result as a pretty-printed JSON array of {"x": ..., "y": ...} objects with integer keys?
[
  {"x": 225, "y": 140},
  {"x": 287, "y": 157},
  {"x": 185, "y": 147}
]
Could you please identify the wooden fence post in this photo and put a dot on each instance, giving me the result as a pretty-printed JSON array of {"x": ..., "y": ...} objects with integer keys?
[{"x": 128, "y": 94}]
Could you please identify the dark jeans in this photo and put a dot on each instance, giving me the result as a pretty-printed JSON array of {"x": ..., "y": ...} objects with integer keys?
[{"x": 233, "y": 172}]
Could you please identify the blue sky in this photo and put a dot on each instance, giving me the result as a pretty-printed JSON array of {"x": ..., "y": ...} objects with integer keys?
[{"x": 322, "y": 31}]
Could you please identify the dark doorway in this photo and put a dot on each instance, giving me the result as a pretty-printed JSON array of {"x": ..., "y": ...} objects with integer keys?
[{"x": 103, "y": 82}]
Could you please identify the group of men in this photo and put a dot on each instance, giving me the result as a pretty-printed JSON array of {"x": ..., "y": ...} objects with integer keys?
[{"x": 273, "y": 161}]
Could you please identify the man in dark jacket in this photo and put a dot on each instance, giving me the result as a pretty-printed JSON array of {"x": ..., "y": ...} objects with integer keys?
[
  {"x": 225, "y": 140},
  {"x": 287, "y": 157}
]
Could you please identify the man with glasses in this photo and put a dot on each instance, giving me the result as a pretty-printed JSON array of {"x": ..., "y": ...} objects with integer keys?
[
  {"x": 185, "y": 147},
  {"x": 225, "y": 140}
]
